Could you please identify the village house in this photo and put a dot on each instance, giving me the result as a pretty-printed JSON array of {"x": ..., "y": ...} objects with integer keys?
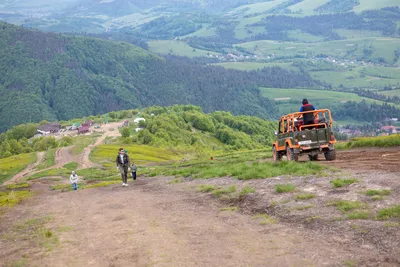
[
  {"x": 49, "y": 128},
  {"x": 83, "y": 129},
  {"x": 389, "y": 129}
]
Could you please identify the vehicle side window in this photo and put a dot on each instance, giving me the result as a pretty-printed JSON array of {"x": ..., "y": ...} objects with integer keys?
[{"x": 280, "y": 127}]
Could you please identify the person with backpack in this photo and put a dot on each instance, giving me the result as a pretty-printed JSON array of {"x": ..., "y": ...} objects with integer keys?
[
  {"x": 308, "y": 118},
  {"x": 123, "y": 162},
  {"x": 74, "y": 180}
]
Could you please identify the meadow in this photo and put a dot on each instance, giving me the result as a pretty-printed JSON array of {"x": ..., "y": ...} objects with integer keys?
[
  {"x": 12, "y": 165},
  {"x": 178, "y": 48},
  {"x": 379, "y": 141}
]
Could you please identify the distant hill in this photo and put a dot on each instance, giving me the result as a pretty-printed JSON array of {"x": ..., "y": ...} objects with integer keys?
[{"x": 57, "y": 77}]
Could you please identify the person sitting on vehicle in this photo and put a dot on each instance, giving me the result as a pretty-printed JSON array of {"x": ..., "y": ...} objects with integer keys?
[{"x": 308, "y": 118}]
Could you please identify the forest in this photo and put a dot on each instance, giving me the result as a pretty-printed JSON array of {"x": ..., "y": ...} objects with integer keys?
[{"x": 58, "y": 77}]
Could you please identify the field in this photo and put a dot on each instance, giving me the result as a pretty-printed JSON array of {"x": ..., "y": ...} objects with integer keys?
[
  {"x": 13, "y": 165},
  {"x": 138, "y": 154},
  {"x": 366, "y": 77},
  {"x": 391, "y": 93},
  {"x": 381, "y": 47},
  {"x": 247, "y": 66},
  {"x": 291, "y": 98},
  {"x": 177, "y": 48}
]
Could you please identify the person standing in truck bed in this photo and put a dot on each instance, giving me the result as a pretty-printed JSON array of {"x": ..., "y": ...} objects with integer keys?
[{"x": 308, "y": 118}]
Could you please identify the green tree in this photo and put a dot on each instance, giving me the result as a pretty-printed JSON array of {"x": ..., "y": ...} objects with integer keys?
[{"x": 125, "y": 132}]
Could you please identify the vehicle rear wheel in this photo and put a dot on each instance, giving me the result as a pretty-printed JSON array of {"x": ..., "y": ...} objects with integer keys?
[
  {"x": 291, "y": 156},
  {"x": 277, "y": 155},
  {"x": 313, "y": 157},
  {"x": 330, "y": 155}
]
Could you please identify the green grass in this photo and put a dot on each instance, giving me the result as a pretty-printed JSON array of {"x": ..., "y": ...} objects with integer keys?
[
  {"x": 176, "y": 181},
  {"x": 264, "y": 219},
  {"x": 358, "y": 215},
  {"x": 345, "y": 206},
  {"x": 305, "y": 207},
  {"x": 229, "y": 209},
  {"x": 381, "y": 47},
  {"x": 305, "y": 196},
  {"x": 35, "y": 230},
  {"x": 12, "y": 165},
  {"x": 391, "y": 92},
  {"x": 52, "y": 172},
  {"x": 82, "y": 141},
  {"x": 246, "y": 191},
  {"x": 178, "y": 48},
  {"x": 285, "y": 188},
  {"x": 377, "y": 198},
  {"x": 389, "y": 213},
  {"x": 375, "y": 192},
  {"x": 72, "y": 166},
  {"x": 224, "y": 191},
  {"x": 101, "y": 184},
  {"x": 239, "y": 169},
  {"x": 17, "y": 186},
  {"x": 307, "y": 7},
  {"x": 138, "y": 154},
  {"x": 339, "y": 182},
  {"x": 12, "y": 198},
  {"x": 96, "y": 174},
  {"x": 49, "y": 159},
  {"x": 206, "y": 188},
  {"x": 379, "y": 141}
]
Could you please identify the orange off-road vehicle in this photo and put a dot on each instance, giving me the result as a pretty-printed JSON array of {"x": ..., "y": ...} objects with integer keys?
[{"x": 295, "y": 138}]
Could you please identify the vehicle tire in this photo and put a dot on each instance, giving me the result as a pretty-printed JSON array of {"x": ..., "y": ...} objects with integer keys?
[
  {"x": 277, "y": 155},
  {"x": 330, "y": 155},
  {"x": 313, "y": 157},
  {"x": 291, "y": 156}
]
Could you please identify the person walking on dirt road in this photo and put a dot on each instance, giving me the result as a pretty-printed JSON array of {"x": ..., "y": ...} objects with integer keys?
[
  {"x": 74, "y": 180},
  {"x": 123, "y": 162}
]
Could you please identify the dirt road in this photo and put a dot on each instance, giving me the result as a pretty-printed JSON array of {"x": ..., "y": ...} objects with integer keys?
[
  {"x": 155, "y": 224},
  {"x": 367, "y": 159}
]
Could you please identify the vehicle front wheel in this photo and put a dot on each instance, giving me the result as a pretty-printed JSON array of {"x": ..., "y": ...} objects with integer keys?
[
  {"x": 330, "y": 155},
  {"x": 277, "y": 155},
  {"x": 291, "y": 156}
]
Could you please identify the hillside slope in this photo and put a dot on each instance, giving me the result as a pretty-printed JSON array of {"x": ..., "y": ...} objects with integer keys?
[{"x": 50, "y": 76}]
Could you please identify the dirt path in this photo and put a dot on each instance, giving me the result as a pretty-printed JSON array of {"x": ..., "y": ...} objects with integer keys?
[
  {"x": 28, "y": 170},
  {"x": 155, "y": 224},
  {"x": 111, "y": 130},
  {"x": 367, "y": 159}
]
